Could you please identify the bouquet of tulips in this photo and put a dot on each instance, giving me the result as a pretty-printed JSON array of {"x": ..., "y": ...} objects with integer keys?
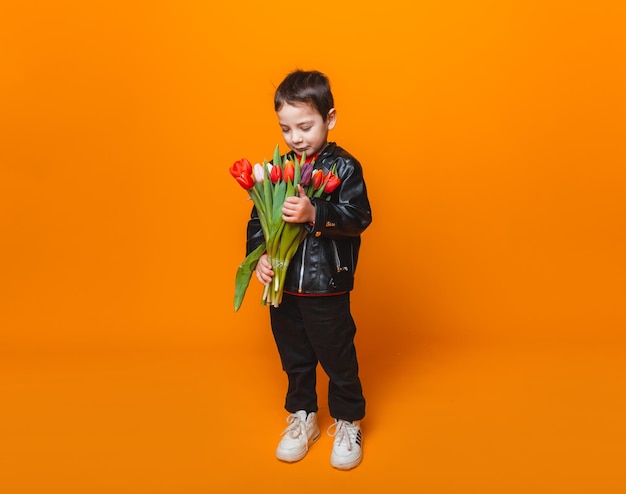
[{"x": 268, "y": 185}]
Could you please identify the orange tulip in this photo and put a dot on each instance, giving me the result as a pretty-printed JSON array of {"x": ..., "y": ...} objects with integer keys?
[
  {"x": 317, "y": 179},
  {"x": 289, "y": 171}
]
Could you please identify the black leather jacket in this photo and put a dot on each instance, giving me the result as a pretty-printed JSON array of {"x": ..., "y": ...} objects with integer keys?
[{"x": 326, "y": 260}]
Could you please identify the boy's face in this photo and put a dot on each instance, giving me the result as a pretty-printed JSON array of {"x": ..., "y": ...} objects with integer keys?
[{"x": 304, "y": 129}]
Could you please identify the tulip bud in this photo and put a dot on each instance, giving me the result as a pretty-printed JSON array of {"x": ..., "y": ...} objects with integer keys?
[
  {"x": 306, "y": 174},
  {"x": 332, "y": 183},
  {"x": 258, "y": 172},
  {"x": 317, "y": 179},
  {"x": 276, "y": 174},
  {"x": 242, "y": 172},
  {"x": 289, "y": 171}
]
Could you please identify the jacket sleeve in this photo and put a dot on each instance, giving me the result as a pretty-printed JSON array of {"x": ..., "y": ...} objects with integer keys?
[
  {"x": 254, "y": 233},
  {"x": 348, "y": 212}
]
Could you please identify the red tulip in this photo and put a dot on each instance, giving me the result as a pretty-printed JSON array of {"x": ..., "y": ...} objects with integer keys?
[
  {"x": 289, "y": 171},
  {"x": 276, "y": 174},
  {"x": 242, "y": 171},
  {"x": 332, "y": 182}
]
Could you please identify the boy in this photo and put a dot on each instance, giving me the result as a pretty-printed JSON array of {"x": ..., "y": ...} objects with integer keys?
[{"x": 313, "y": 323}]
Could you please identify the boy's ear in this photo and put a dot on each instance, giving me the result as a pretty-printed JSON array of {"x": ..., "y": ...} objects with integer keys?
[{"x": 331, "y": 118}]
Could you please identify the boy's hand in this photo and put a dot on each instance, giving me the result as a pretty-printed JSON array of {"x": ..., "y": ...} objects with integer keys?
[
  {"x": 298, "y": 209},
  {"x": 263, "y": 270}
]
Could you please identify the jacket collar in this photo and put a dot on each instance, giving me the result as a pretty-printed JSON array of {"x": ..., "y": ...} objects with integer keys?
[{"x": 328, "y": 150}]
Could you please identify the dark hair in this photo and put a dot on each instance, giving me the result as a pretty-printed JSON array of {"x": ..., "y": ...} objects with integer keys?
[{"x": 310, "y": 87}]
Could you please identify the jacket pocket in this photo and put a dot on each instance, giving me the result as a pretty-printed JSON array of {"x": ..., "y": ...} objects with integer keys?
[{"x": 341, "y": 267}]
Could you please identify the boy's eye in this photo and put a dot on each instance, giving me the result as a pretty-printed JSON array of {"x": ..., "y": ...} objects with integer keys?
[{"x": 306, "y": 129}]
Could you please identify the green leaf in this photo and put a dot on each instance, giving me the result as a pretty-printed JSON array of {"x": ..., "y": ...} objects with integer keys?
[
  {"x": 244, "y": 273},
  {"x": 290, "y": 190},
  {"x": 280, "y": 190},
  {"x": 276, "y": 160},
  {"x": 298, "y": 167}
]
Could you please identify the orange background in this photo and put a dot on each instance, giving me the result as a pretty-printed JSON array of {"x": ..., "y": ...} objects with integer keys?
[{"x": 490, "y": 291}]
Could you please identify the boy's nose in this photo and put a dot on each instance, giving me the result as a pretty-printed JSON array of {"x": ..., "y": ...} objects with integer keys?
[{"x": 296, "y": 137}]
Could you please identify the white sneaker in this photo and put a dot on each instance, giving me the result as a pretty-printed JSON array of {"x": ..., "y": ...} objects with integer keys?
[
  {"x": 347, "y": 451},
  {"x": 298, "y": 436}
]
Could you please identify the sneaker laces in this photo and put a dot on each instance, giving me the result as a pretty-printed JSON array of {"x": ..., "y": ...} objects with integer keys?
[
  {"x": 344, "y": 431},
  {"x": 296, "y": 427}
]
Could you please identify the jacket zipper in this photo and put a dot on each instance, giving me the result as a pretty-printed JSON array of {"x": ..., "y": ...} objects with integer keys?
[
  {"x": 302, "y": 265},
  {"x": 337, "y": 260}
]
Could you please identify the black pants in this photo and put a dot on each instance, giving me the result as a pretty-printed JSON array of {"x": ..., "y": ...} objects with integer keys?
[{"x": 309, "y": 330}]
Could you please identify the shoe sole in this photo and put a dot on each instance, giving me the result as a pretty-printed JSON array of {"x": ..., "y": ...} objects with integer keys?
[
  {"x": 293, "y": 459},
  {"x": 347, "y": 466}
]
